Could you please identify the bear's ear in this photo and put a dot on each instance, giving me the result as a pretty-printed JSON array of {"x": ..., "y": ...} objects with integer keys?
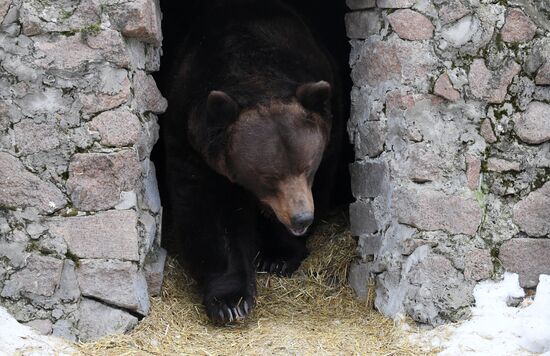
[
  {"x": 221, "y": 109},
  {"x": 314, "y": 96}
]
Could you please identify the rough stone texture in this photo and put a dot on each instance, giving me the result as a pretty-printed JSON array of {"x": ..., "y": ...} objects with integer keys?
[
  {"x": 502, "y": 165},
  {"x": 452, "y": 11},
  {"x": 42, "y": 326},
  {"x": 117, "y": 128},
  {"x": 443, "y": 87},
  {"x": 138, "y": 19},
  {"x": 148, "y": 97},
  {"x": 98, "y": 320},
  {"x": 458, "y": 120},
  {"x": 532, "y": 213},
  {"x": 395, "y": 4},
  {"x": 486, "y": 130},
  {"x": 534, "y": 125},
  {"x": 438, "y": 292},
  {"x": 432, "y": 210},
  {"x": 96, "y": 180},
  {"x": 527, "y": 257},
  {"x": 40, "y": 277},
  {"x": 109, "y": 235},
  {"x": 473, "y": 170},
  {"x": 478, "y": 265},
  {"x": 411, "y": 25},
  {"x": 360, "y": 4},
  {"x": 369, "y": 179},
  {"x": 491, "y": 86},
  {"x": 154, "y": 271},
  {"x": 115, "y": 282},
  {"x": 77, "y": 126},
  {"x": 362, "y": 24},
  {"x": 518, "y": 27},
  {"x": 20, "y": 189},
  {"x": 543, "y": 75}
]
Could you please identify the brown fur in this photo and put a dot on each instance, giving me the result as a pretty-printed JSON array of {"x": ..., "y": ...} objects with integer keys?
[{"x": 274, "y": 151}]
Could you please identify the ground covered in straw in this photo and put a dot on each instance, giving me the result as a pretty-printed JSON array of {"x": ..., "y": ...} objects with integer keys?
[{"x": 313, "y": 312}]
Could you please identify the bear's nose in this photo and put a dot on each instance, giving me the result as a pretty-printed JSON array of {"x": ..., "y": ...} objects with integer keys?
[{"x": 300, "y": 222}]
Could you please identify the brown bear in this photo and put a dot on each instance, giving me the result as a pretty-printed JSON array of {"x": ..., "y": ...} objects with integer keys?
[{"x": 251, "y": 140}]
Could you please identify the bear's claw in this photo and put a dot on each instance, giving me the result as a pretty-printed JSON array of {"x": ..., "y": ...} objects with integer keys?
[
  {"x": 277, "y": 267},
  {"x": 227, "y": 312}
]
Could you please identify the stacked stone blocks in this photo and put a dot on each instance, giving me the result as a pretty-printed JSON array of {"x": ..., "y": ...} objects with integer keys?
[
  {"x": 451, "y": 126},
  {"x": 79, "y": 204}
]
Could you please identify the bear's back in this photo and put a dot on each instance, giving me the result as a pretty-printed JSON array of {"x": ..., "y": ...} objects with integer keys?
[{"x": 254, "y": 50}]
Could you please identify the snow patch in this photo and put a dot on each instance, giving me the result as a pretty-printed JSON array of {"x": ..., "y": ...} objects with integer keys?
[
  {"x": 496, "y": 328},
  {"x": 17, "y": 339}
]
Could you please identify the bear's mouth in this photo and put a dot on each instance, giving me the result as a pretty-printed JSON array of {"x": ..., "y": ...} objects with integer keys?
[{"x": 299, "y": 232}]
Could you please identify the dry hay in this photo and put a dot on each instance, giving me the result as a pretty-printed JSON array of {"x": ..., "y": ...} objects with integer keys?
[{"x": 313, "y": 312}]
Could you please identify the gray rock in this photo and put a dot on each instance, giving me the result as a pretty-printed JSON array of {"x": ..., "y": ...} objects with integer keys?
[
  {"x": 97, "y": 102},
  {"x": 370, "y": 141},
  {"x": 369, "y": 179},
  {"x": 360, "y": 4},
  {"x": 411, "y": 25},
  {"x": 65, "y": 330},
  {"x": 42, "y": 326},
  {"x": 518, "y": 27},
  {"x": 444, "y": 88},
  {"x": 149, "y": 224},
  {"x": 452, "y": 11},
  {"x": 152, "y": 196},
  {"x": 395, "y": 4},
  {"x": 19, "y": 188},
  {"x": 359, "y": 274},
  {"x": 502, "y": 165},
  {"x": 489, "y": 85},
  {"x": 527, "y": 257},
  {"x": 153, "y": 269},
  {"x": 439, "y": 292},
  {"x": 362, "y": 218},
  {"x": 532, "y": 213},
  {"x": 362, "y": 24},
  {"x": 117, "y": 128},
  {"x": 96, "y": 180},
  {"x": 432, "y": 210},
  {"x": 115, "y": 282},
  {"x": 4, "y": 6},
  {"x": 15, "y": 252},
  {"x": 110, "y": 234},
  {"x": 148, "y": 97},
  {"x": 98, "y": 320},
  {"x": 31, "y": 137},
  {"x": 486, "y": 130},
  {"x": 140, "y": 19},
  {"x": 40, "y": 277},
  {"x": 478, "y": 265},
  {"x": 68, "y": 289},
  {"x": 534, "y": 125}
]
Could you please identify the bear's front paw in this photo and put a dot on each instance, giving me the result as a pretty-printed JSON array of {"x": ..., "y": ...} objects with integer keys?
[
  {"x": 228, "y": 299},
  {"x": 228, "y": 309},
  {"x": 277, "y": 265}
]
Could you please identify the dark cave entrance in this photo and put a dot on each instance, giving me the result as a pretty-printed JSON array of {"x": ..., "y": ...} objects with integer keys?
[{"x": 324, "y": 17}]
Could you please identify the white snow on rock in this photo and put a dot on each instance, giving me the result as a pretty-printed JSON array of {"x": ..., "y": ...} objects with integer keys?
[
  {"x": 17, "y": 339},
  {"x": 496, "y": 328}
]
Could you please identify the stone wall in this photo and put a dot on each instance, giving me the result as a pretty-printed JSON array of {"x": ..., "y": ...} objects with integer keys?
[
  {"x": 451, "y": 126},
  {"x": 79, "y": 205}
]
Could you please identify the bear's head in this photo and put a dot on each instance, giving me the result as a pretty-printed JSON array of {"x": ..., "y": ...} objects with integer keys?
[{"x": 273, "y": 150}]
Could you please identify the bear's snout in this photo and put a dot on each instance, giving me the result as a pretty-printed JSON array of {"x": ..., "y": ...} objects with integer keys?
[
  {"x": 300, "y": 222},
  {"x": 293, "y": 204}
]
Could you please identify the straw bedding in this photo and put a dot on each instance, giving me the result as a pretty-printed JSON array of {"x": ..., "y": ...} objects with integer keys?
[{"x": 314, "y": 312}]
